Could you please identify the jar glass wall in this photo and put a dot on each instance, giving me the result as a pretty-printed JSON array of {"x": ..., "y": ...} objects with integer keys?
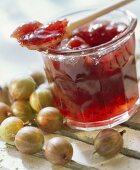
[{"x": 96, "y": 87}]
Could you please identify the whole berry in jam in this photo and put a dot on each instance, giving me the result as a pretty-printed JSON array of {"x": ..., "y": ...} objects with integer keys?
[{"x": 75, "y": 43}]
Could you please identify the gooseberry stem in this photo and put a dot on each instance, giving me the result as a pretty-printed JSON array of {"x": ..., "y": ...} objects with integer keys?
[
  {"x": 122, "y": 132},
  {"x": 27, "y": 123},
  {"x": 9, "y": 114},
  {"x": 94, "y": 152}
]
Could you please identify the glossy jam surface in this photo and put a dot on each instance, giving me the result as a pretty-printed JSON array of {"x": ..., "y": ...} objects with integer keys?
[
  {"x": 36, "y": 36},
  {"x": 94, "y": 88},
  {"x": 99, "y": 32}
]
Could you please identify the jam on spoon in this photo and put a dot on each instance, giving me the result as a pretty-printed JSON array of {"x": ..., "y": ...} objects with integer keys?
[{"x": 36, "y": 36}]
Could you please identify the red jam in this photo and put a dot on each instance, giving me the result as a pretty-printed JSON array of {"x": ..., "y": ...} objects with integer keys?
[
  {"x": 94, "y": 89},
  {"x": 97, "y": 33},
  {"x": 36, "y": 36},
  {"x": 88, "y": 88}
]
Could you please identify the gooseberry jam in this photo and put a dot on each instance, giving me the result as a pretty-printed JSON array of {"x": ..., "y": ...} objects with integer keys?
[
  {"x": 92, "y": 72},
  {"x": 91, "y": 89}
]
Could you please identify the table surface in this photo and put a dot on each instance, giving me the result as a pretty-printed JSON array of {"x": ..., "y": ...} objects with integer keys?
[{"x": 16, "y": 61}]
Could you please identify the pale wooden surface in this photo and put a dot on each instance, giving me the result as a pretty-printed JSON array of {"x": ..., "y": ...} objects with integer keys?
[{"x": 11, "y": 159}]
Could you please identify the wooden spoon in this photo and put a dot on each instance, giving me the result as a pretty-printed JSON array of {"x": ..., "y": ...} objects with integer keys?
[{"x": 96, "y": 14}]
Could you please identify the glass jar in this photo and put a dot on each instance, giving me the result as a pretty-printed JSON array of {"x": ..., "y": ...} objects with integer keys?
[{"x": 96, "y": 87}]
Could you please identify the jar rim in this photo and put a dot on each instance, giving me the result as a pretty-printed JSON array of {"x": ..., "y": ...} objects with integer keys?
[{"x": 99, "y": 48}]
